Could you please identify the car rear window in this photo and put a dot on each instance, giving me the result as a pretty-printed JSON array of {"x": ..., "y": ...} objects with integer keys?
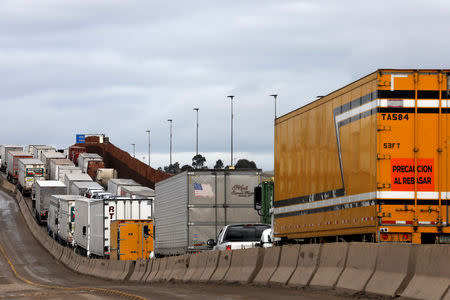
[{"x": 244, "y": 233}]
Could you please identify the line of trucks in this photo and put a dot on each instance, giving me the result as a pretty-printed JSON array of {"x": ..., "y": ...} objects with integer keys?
[{"x": 101, "y": 216}]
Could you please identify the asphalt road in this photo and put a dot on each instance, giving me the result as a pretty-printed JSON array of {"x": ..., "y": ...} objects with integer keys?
[{"x": 35, "y": 264}]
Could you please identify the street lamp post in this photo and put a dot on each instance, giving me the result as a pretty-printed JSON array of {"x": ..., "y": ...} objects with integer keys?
[
  {"x": 134, "y": 150},
  {"x": 231, "y": 98},
  {"x": 148, "y": 132},
  {"x": 275, "y": 98},
  {"x": 196, "y": 133},
  {"x": 170, "y": 121}
]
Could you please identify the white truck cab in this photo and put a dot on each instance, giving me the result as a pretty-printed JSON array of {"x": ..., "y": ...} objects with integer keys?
[{"x": 238, "y": 236}]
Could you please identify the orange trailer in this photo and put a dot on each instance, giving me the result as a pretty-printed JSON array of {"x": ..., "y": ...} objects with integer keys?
[
  {"x": 131, "y": 239},
  {"x": 368, "y": 162}
]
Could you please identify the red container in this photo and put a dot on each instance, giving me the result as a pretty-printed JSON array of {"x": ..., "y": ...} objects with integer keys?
[
  {"x": 93, "y": 166},
  {"x": 74, "y": 151}
]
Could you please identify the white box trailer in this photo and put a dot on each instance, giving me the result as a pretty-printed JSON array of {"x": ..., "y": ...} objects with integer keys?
[
  {"x": 62, "y": 170},
  {"x": 64, "y": 218},
  {"x": 137, "y": 191},
  {"x": 12, "y": 169},
  {"x": 52, "y": 218},
  {"x": 124, "y": 208},
  {"x": 30, "y": 170},
  {"x": 82, "y": 187},
  {"x": 89, "y": 232},
  {"x": 37, "y": 151},
  {"x": 115, "y": 185},
  {"x": 69, "y": 179},
  {"x": 30, "y": 148},
  {"x": 192, "y": 207},
  {"x": 46, "y": 156},
  {"x": 54, "y": 163},
  {"x": 104, "y": 174},
  {"x": 4, "y": 150},
  {"x": 85, "y": 158},
  {"x": 42, "y": 190}
]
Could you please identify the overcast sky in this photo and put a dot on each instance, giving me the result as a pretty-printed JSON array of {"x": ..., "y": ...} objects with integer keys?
[{"x": 121, "y": 67}]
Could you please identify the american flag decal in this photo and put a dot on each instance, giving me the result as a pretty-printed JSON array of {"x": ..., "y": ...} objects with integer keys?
[{"x": 203, "y": 190}]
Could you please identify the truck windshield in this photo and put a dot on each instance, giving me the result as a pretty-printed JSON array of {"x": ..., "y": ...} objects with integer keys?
[{"x": 244, "y": 233}]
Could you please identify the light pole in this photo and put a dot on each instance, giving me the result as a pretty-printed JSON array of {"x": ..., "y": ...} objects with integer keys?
[
  {"x": 275, "y": 98},
  {"x": 148, "y": 131},
  {"x": 134, "y": 150},
  {"x": 231, "y": 98},
  {"x": 196, "y": 133},
  {"x": 170, "y": 121}
]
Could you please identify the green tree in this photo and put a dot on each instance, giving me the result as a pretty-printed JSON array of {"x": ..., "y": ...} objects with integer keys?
[
  {"x": 186, "y": 168},
  {"x": 173, "y": 168},
  {"x": 245, "y": 164},
  {"x": 219, "y": 164},
  {"x": 198, "y": 161}
]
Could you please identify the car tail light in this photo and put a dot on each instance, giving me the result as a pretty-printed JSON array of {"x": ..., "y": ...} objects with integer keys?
[{"x": 229, "y": 247}]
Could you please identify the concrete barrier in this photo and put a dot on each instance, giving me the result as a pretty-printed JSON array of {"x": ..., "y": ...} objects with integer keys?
[
  {"x": 197, "y": 264},
  {"x": 432, "y": 273},
  {"x": 361, "y": 261},
  {"x": 391, "y": 269},
  {"x": 161, "y": 269},
  {"x": 117, "y": 269},
  {"x": 245, "y": 265},
  {"x": 170, "y": 264},
  {"x": 139, "y": 270},
  {"x": 154, "y": 270},
  {"x": 212, "y": 260},
  {"x": 222, "y": 266},
  {"x": 287, "y": 265},
  {"x": 65, "y": 256},
  {"x": 332, "y": 260},
  {"x": 306, "y": 266},
  {"x": 83, "y": 266},
  {"x": 57, "y": 251},
  {"x": 269, "y": 265},
  {"x": 100, "y": 268},
  {"x": 180, "y": 268}
]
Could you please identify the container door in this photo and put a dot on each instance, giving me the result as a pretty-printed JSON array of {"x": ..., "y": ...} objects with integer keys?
[
  {"x": 412, "y": 159},
  {"x": 130, "y": 247}
]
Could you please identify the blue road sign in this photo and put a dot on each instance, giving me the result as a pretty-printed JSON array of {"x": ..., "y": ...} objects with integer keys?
[{"x": 80, "y": 138}]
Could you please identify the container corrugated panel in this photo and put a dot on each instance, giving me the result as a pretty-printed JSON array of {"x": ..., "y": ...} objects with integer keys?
[
  {"x": 114, "y": 185},
  {"x": 66, "y": 222},
  {"x": 13, "y": 161},
  {"x": 69, "y": 179},
  {"x": 171, "y": 218}
]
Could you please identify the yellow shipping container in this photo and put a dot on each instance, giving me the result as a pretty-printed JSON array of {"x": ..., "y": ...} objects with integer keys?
[
  {"x": 367, "y": 162},
  {"x": 131, "y": 239}
]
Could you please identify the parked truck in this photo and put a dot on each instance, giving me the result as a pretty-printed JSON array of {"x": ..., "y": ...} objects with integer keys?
[
  {"x": 137, "y": 191},
  {"x": 37, "y": 151},
  {"x": 12, "y": 170},
  {"x": 30, "y": 170},
  {"x": 61, "y": 218},
  {"x": 62, "y": 170},
  {"x": 70, "y": 179},
  {"x": 85, "y": 158},
  {"x": 42, "y": 191},
  {"x": 89, "y": 233},
  {"x": 46, "y": 158},
  {"x": 367, "y": 162},
  {"x": 192, "y": 207},
  {"x": 54, "y": 163},
  {"x": 83, "y": 187},
  {"x": 104, "y": 174},
  {"x": 115, "y": 185},
  {"x": 3, "y": 153}
]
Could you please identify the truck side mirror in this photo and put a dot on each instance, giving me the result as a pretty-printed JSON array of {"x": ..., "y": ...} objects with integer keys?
[
  {"x": 257, "y": 198},
  {"x": 211, "y": 243}
]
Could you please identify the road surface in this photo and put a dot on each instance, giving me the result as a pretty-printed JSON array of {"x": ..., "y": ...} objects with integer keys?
[{"x": 35, "y": 266}]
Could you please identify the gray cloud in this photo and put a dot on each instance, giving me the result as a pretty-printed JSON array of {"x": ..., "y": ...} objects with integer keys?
[{"x": 121, "y": 67}]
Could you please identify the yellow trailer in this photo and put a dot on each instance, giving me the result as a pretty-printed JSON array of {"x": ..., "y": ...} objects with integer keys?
[
  {"x": 131, "y": 239},
  {"x": 369, "y": 161}
]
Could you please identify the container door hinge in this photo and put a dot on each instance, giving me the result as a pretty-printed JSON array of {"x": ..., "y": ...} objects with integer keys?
[
  {"x": 381, "y": 127},
  {"x": 383, "y": 185},
  {"x": 381, "y": 156}
]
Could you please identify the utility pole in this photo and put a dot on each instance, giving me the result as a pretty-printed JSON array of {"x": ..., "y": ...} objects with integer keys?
[
  {"x": 148, "y": 131},
  {"x": 134, "y": 150},
  {"x": 196, "y": 133},
  {"x": 231, "y": 98},
  {"x": 275, "y": 98},
  {"x": 170, "y": 121}
]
